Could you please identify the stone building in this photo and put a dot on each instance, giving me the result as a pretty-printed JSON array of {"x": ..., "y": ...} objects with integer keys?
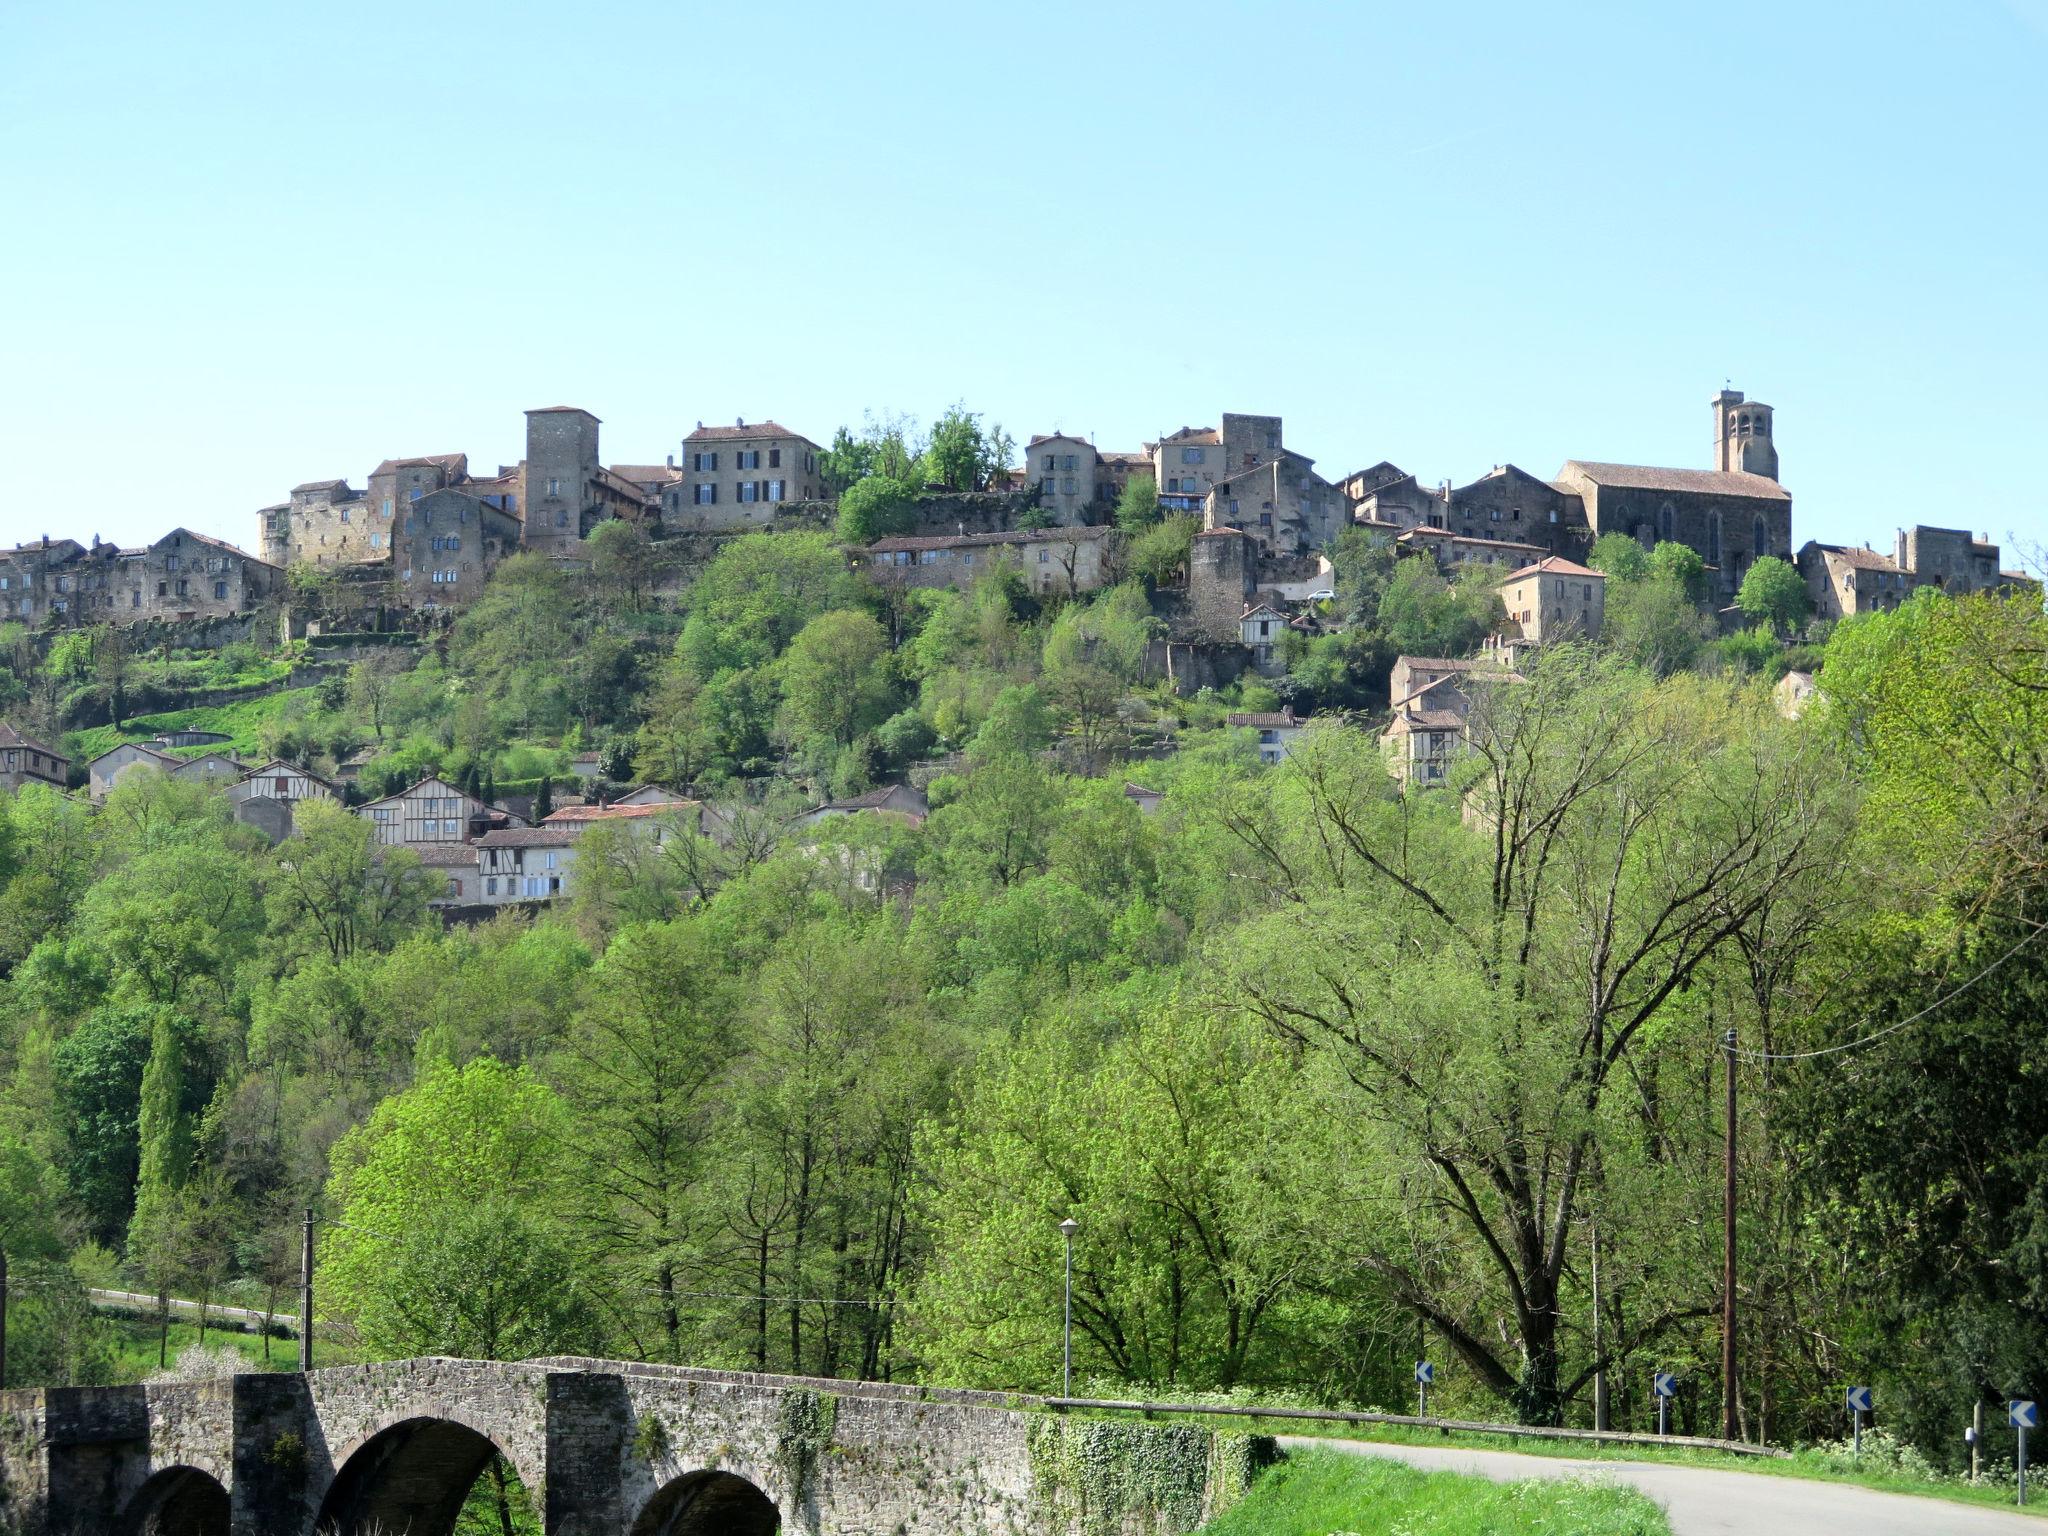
[
  {"x": 448, "y": 543},
  {"x": 280, "y": 780},
  {"x": 187, "y": 575},
  {"x": 1221, "y": 571},
  {"x": 564, "y": 491},
  {"x": 1731, "y": 515},
  {"x": 1554, "y": 600},
  {"x": 1065, "y": 561},
  {"x": 1187, "y": 464},
  {"x": 1953, "y": 559},
  {"x": 1281, "y": 503},
  {"x": 736, "y": 476},
  {"x": 1066, "y": 473},
  {"x": 1507, "y": 505},
  {"x": 24, "y": 760},
  {"x": 1843, "y": 579},
  {"x": 326, "y": 522},
  {"x": 1451, "y": 550},
  {"x": 36, "y": 577}
]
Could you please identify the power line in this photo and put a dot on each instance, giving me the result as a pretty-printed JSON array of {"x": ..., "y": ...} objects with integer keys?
[{"x": 1907, "y": 1022}]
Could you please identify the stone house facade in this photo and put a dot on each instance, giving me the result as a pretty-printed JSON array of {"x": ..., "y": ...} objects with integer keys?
[
  {"x": 1953, "y": 559},
  {"x": 736, "y": 476},
  {"x": 36, "y": 577},
  {"x": 1451, "y": 550},
  {"x": 1066, "y": 473},
  {"x": 24, "y": 760},
  {"x": 187, "y": 575},
  {"x": 1554, "y": 600},
  {"x": 1282, "y": 503},
  {"x": 1843, "y": 579},
  {"x": 1186, "y": 465},
  {"x": 1064, "y": 561},
  {"x": 447, "y": 545},
  {"x": 326, "y": 522}
]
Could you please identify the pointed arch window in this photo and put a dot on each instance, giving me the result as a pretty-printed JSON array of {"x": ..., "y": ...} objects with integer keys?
[
  {"x": 1667, "y": 521},
  {"x": 1713, "y": 538}
]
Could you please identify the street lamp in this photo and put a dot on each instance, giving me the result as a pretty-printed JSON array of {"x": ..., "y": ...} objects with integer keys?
[{"x": 1067, "y": 1230}]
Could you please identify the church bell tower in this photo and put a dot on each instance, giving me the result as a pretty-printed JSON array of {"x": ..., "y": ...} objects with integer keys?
[{"x": 1742, "y": 436}]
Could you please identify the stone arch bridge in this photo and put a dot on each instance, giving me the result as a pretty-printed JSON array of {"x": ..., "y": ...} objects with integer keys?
[{"x": 605, "y": 1448}]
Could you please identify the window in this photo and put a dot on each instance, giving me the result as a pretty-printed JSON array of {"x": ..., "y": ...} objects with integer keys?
[
  {"x": 775, "y": 458},
  {"x": 387, "y": 506},
  {"x": 554, "y": 488},
  {"x": 1273, "y": 438},
  {"x": 1049, "y": 458},
  {"x": 220, "y": 590},
  {"x": 561, "y": 519},
  {"x": 1233, "y": 506},
  {"x": 184, "y": 589},
  {"x": 376, "y": 541},
  {"x": 1713, "y": 538},
  {"x": 381, "y": 813},
  {"x": 703, "y": 462},
  {"x": 1067, "y": 486},
  {"x": 344, "y": 514},
  {"x": 170, "y": 562},
  {"x": 747, "y": 458},
  {"x": 1760, "y": 537},
  {"x": 416, "y": 493},
  {"x": 451, "y": 829},
  {"x": 1070, "y": 461},
  {"x": 1191, "y": 455},
  {"x": 491, "y": 883},
  {"x": 454, "y": 888},
  {"x": 1044, "y": 556},
  {"x": 750, "y": 490},
  {"x": 707, "y": 495},
  {"x": 777, "y": 490}
]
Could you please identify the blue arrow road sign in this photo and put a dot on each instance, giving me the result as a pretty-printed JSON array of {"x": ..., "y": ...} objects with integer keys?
[
  {"x": 1425, "y": 1372},
  {"x": 2022, "y": 1414},
  {"x": 1859, "y": 1399},
  {"x": 1664, "y": 1384}
]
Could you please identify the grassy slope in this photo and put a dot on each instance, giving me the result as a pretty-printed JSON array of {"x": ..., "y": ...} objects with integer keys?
[
  {"x": 1322, "y": 1493},
  {"x": 239, "y": 721}
]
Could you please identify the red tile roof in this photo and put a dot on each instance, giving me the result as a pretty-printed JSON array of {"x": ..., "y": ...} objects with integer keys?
[
  {"x": 1553, "y": 566},
  {"x": 1266, "y": 720},
  {"x": 530, "y": 837}
]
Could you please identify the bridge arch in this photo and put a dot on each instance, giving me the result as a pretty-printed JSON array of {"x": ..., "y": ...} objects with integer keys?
[
  {"x": 411, "y": 1476},
  {"x": 708, "y": 1503},
  {"x": 177, "y": 1501}
]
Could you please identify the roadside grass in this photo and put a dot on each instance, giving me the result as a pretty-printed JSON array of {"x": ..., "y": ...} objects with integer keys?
[
  {"x": 1882, "y": 1468},
  {"x": 1326, "y": 1493},
  {"x": 241, "y": 722},
  {"x": 134, "y": 1341}
]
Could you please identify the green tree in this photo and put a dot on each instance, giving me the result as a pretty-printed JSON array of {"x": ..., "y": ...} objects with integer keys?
[
  {"x": 1159, "y": 552},
  {"x": 1682, "y": 564},
  {"x": 641, "y": 1070},
  {"x": 1363, "y": 563},
  {"x": 1654, "y": 625},
  {"x": 756, "y": 594},
  {"x": 963, "y": 455},
  {"x": 1424, "y": 615},
  {"x": 1137, "y": 505},
  {"x": 1773, "y": 592},
  {"x": 334, "y": 891},
  {"x": 621, "y": 563},
  {"x": 1674, "y": 815},
  {"x": 1620, "y": 556},
  {"x": 875, "y": 508},
  {"x": 834, "y": 682},
  {"x": 453, "y": 1201}
]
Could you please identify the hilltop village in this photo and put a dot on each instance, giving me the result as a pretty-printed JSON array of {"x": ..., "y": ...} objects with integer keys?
[{"x": 1236, "y": 541}]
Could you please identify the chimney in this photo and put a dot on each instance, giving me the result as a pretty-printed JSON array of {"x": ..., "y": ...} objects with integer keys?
[
  {"x": 962, "y": 526},
  {"x": 739, "y": 421},
  {"x": 671, "y": 461}
]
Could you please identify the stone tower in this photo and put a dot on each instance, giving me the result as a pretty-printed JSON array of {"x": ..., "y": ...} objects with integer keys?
[
  {"x": 561, "y": 462},
  {"x": 1219, "y": 581},
  {"x": 1742, "y": 436}
]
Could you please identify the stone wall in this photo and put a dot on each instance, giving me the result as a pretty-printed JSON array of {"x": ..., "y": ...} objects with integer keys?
[{"x": 605, "y": 1447}]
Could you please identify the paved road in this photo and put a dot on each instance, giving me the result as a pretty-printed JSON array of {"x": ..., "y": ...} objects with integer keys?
[
  {"x": 182, "y": 1308},
  {"x": 1705, "y": 1501}
]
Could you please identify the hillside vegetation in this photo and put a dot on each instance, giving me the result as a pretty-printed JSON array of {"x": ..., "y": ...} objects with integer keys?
[{"x": 1320, "y": 1067}]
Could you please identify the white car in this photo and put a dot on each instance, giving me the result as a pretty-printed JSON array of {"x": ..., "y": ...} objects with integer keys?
[{"x": 1324, "y": 596}]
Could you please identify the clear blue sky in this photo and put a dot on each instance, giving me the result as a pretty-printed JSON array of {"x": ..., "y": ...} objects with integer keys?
[{"x": 251, "y": 245}]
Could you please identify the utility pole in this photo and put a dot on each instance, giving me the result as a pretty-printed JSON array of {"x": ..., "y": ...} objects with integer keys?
[
  {"x": 1728, "y": 1399},
  {"x": 306, "y": 1293},
  {"x": 1600, "y": 1418}
]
